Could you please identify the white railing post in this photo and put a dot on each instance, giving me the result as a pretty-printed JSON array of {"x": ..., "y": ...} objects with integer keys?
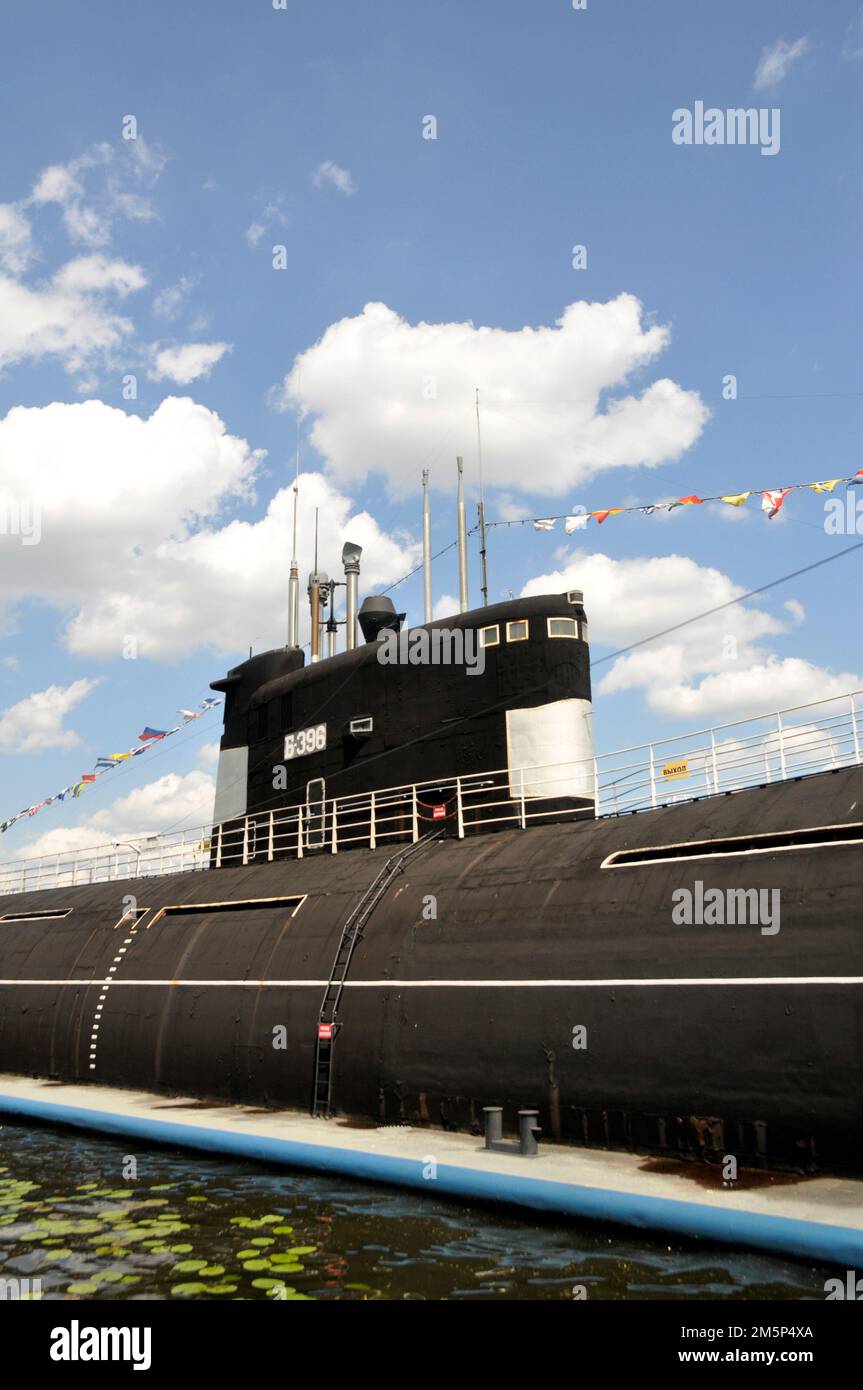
[
  {"x": 414, "y": 814},
  {"x": 219, "y": 845},
  {"x": 715, "y": 764},
  {"x": 270, "y": 845},
  {"x": 781, "y": 747},
  {"x": 652, "y": 777},
  {"x": 246, "y": 840},
  {"x": 596, "y": 783},
  {"x": 372, "y": 824},
  {"x": 460, "y": 808},
  {"x": 854, "y": 730},
  {"x": 334, "y": 843},
  {"x": 299, "y": 832},
  {"x": 523, "y": 820}
]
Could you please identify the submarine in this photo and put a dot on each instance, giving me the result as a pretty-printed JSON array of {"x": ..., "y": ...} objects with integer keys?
[{"x": 422, "y": 894}]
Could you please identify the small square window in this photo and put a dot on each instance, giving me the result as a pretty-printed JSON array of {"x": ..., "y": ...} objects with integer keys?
[
  {"x": 517, "y": 631},
  {"x": 562, "y": 627},
  {"x": 489, "y": 636}
]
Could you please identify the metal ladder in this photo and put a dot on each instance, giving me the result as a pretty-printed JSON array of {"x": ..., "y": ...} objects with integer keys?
[{"x": 328, "y": 1024}]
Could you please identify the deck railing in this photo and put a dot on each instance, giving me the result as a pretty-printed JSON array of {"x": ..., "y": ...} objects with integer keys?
[{"x": 726, "y": 758}]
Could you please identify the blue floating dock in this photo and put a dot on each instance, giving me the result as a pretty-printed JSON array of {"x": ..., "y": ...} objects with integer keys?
[{"x": 814, "y": 1218}]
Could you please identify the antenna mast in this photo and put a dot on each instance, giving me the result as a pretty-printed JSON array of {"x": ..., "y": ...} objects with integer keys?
[
  {"x": 480, "y": 509},
  {"x": 294, "y": 581},
  {"x": 427, "y": 574}
]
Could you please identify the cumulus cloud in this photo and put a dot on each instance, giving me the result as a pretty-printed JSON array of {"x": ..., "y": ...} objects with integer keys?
[
  {"x": 332, "y": 173},
  {"x": 37, "y": 721},
  {"x": 15, "y": 239},
  {"x": 68, "y": 317},
  {"x": 89, "y": 212},
  {"x": 170, "y": 802},
  {"x": 208, "y": 755},
  {"x": 132, "y": 540},
  {"x": 187, "y": 362},
  {"x": 717, "y": 669},
  {"x": 777, "y": 60},
  {"x": 381, "y": 391}
]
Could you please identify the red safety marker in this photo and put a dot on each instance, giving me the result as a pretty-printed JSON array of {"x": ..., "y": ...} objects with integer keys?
[
  {"x": 325, "y": 1032},
  {"x": 438, "y": 813}
]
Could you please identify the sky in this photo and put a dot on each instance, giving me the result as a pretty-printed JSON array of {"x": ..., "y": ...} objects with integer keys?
[{"x": 219, "y": 222}]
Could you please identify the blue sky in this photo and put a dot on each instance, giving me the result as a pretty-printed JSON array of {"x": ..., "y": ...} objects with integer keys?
[{"x": 303, "y": 128}]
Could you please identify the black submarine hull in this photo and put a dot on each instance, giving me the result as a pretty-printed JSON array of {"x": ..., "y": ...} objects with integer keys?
[{"x": 474, "y": 978}]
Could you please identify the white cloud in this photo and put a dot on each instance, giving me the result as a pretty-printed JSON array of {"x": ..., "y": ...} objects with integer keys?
[
  {"x": 37, "y": 721},
  {"x": 15, "y": 239},
  {"x": 124, "y": 169},
  {"x": 132, "y": 543},
  {"x": 169, "y": 301},
  {"x": 208, "y": 755},
  {"x": 273, "y": 215},
  {"x": 342, "y": 179},
  {"x": 444, "y": 607},
  {"x": 853, "y": 45},
  {"x": 716, "y": 669},
  {"x": 187, "y": 362},
  {"x": 67, "y": 317},
  {"x": 172, "y": 801},
  {"x": 383, "y": 392},
  {"x": 777, "y": 60},
  {"x": 797, "y": 611}
]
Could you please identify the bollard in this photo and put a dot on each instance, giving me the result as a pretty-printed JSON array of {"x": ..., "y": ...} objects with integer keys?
[
  {"x": 528, "y": 1129},
  {"x": 493, "y": 1124}
]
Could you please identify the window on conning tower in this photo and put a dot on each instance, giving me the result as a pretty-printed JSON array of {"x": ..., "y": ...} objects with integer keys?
[
  {"x": 517, "y": 631},
  {"x": 562, "y": 627}
]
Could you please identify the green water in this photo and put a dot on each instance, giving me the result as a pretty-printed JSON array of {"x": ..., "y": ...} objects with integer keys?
[{"x": 183, "y": 1225}]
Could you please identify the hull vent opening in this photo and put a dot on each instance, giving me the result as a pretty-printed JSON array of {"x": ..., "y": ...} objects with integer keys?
[
  {"x": 292, "y": 904},
  {"x": 46, "y": 915},
  {"x": 811, "y": 837}
]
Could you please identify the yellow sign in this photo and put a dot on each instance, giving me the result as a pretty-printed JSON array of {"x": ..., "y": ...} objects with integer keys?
[{"x": 678, "y": 769}]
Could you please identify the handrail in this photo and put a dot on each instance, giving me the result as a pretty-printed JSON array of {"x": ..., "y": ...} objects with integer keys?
[{"x": 620, "y": 782}]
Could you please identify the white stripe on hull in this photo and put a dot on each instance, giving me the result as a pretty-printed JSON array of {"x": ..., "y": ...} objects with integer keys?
[{"x": 459, "y": 984}]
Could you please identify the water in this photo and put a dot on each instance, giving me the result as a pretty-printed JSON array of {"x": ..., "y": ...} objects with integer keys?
[{"x": 189, "y": 1226}]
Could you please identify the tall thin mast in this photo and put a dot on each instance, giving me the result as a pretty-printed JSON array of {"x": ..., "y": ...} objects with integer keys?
[
  {"x": 315, "y": 603},
  {"x": 294, "y": 581},
  {"x": 427, "y": 575},
  {"x": 462, "y": 541},
  {"x": 480, "y": 509}
]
